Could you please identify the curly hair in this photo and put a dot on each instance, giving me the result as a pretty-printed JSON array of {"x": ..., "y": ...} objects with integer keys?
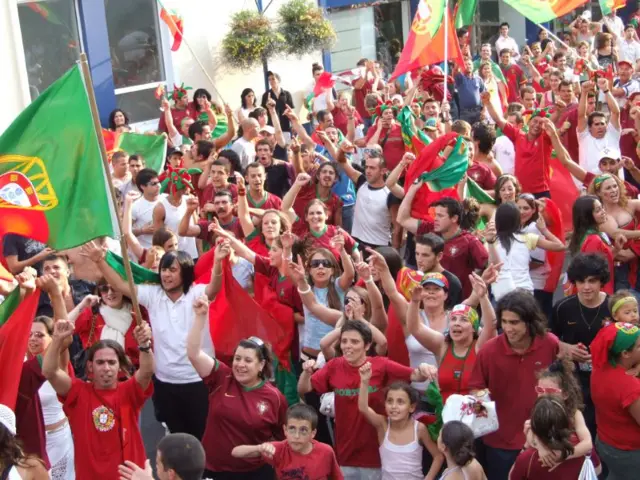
[
  {"x": 622, "y": 201},
  {"x": 561, "y": 371}
]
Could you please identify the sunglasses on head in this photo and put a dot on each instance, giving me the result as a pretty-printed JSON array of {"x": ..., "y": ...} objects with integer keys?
[
  {"x": 320, "y": 262},
  {"x": 105, "y": 288}
]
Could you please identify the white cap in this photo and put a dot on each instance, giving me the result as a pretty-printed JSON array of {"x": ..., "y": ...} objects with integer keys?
[
  {"x": 608, "y": 152},
  {"x": 8, "y": 418},
  {"x": 268, "y": 129}
]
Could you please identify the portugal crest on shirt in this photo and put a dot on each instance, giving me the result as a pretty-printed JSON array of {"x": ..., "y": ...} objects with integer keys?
[
  {"x": 262, "y": 407},
  {"x": 103, "y": 419}
]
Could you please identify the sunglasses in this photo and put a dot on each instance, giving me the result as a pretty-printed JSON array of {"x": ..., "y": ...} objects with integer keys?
[
  {"x": 320, "y": 263},
  {"x": 105, "y": 288},
  {"x": 547, "y": 390}
]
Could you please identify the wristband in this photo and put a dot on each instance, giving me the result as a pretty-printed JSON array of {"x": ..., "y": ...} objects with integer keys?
[
  {"x": 145, "y": 348},
  {"x": 369, "y": 280},
  {"x": 302, "y": 292},
  {"x": 242, "y": 192}
]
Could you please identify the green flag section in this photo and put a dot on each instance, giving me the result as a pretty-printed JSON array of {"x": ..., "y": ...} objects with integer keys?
[
  {"x": 152, "y": 148},
  {"x": 540, "y": 11},
  {"x": 451, "y": 172},
  {"x": 52, "y": 181},
  {"x": 140, "y": 274},
  {"x": 464, "y": 12},
  {"x": 16, "y": 318},
  {"x": 222, "y": 126},
  {"x": 608, "y": 6},
  {"x": 473, "y": 190},
  {"x": 414, "y": 138}
]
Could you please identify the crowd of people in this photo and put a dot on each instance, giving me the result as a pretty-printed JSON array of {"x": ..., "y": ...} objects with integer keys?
[{"x": 409, "y": 238}]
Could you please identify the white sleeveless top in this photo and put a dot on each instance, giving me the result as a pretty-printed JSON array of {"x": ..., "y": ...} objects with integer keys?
[
  {"x": 418, "y": 354},
  {"x": 401, "y": 462},
  {"x": 172, "y": 217},
  {"x": 13, "y": 474},
  {"x": 51, "y": 407}
]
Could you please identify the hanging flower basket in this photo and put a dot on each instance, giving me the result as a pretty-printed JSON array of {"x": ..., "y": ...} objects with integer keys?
[
  {"x": 251, "y": 38},
  {"x": 304, "y": 28}
]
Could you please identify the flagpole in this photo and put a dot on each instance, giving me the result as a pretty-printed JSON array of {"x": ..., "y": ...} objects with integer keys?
[
  {"x": 446, "y": 48},
  {"x": 105, "y": 162},
  {"x": 551, "y": 34},
  {"x": 184, "y": 40}
]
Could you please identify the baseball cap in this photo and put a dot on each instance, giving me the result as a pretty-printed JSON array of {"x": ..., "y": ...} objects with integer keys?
[
  {"x": 608, "y": 152},
  {"x": 175, "y": 151},
  {"x": 435, "y": 278},
  {"x": 431, "y": 124},
  {"x": 625, "y": 62},
  {"x": 8, "y": 419},
  {"x": 267, "y": 128}
]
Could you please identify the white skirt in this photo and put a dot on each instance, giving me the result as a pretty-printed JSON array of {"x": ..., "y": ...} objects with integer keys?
[{"x": 60, "y": 452}]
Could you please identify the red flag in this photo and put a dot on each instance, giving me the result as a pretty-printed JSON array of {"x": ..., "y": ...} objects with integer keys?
[
  {"x": 561, "y": 185},
  {"x": 16, "y": 318},
  {"x": 234, "y": 316},
  {"x": 553, "y": 218},
  {"x": 426, "y": 42},
  {"x": 176, "y": 27},
  {"x": 325, "y": 80}
]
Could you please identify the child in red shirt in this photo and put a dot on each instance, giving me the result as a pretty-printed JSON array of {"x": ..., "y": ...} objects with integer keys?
[{"x": 299, "y": 456}]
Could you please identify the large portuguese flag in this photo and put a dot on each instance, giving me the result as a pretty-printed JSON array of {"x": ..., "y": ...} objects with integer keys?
[
  {"x": 52, "y": 180},
  {"x": 540, "y": 11}
]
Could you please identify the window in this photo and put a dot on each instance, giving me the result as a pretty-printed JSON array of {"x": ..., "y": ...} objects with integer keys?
[
  {"x": 50, "y": 40},
  {"x": 137, "y": 56}
]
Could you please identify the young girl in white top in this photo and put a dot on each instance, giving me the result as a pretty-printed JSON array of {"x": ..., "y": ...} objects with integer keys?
[
  {"x": 511, "y": 247},
  {"x": 456, "y": 443},
  {"x": 401, "y": 438}
]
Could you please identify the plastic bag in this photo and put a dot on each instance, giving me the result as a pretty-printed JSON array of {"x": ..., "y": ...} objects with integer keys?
[
  {"x": 588, "y": 471},
  {"x": 479, "y": 415}
]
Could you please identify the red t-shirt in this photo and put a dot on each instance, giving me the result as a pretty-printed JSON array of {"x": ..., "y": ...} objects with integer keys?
[
  {"x": 496, "y": 364},
  {"x": 209, "y": 191},
  {"x": 515, "y": 78},
  {"x": 233, "y": 226},
  {"x": 178, "y": 116},
  {"x": 255, "y": 242},
  {"x": 323, "y": 239},
  {"x": 105, "y": 426},
  {"x": 613, "y": 392},
  {"x": 532, "y": 159},
  {"x": 310, "y": 192},
  {"x": 359, "y": 95},
  {"x": 595, "y": 244},
  {"x": 528, "y": 467},
  {"x": 239, "y": 416},
  {"x": 628, "y": 142},
  {"x": 319, "y": 464},
  {"x": 482, "y": 175},
  {"x": 462, "y": 254},
  {"x": 286, "y": 290},
  {"x": 341, "y": 121},
  {"x": 393, "y": 148},
  {"x": 570, "y": 137},
  {"x": 356, "y": 439},
  {"x": 269, "y": 201}
]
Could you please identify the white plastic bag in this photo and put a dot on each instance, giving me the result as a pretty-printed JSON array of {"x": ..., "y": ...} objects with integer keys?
[
  {"x": 479, "y": 415},
  {"x": 588, "y": 471},
  {"x": 328, "y": 404}
]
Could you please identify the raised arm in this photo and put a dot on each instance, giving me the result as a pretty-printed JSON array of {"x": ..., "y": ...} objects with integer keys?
[
  {"x": 59, "y": 379},
  {"x": 299, "y": 129},
  {"x": 132, "y": 240},
  {"x": 392, "y": 180},
  {"x": 325, "y": 314},
  {"x": 202, "y": 362},
  {"x": 168, "y": 118},
  {"x": 548, "y": 241},
  {"x": 97, "y": 255},
  {"x": 404, "y": 217},
  {"x": 375, "y": 419},
  {"x": 495, "y": 115},
  {"x": 244, "y": 216},
  {"x": 289, "y": 199},
  {"x": 587, "y": 87},
  {"x": 304, "y": 382},
  {"x": 345, "y": 148},
  {"x": 379, "y": 317},
  {"x": 614, "y": 109},
  {"x": 144, "y": 374},
  {"x": 221, "y": 252},
  {"x": 240, "y": 248},
  {"x": 489, "y": 324},
  {"x": 348, "y": 271},
  {"x": 223, "y": 140},
  {"x": 186, "y": 228},
  {"x": 275, "y": 120},
  {"x": 398, "y": 301}
]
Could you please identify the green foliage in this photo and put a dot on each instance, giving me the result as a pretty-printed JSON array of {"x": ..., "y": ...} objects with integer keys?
[
  {"x": 250, "y": 39},
  {"x": 304, "y": 28}
]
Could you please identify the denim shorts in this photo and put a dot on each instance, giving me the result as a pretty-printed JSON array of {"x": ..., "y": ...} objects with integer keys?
[
  {"x": 360, "y": 473},
  {"x": 622, "y": 464}
]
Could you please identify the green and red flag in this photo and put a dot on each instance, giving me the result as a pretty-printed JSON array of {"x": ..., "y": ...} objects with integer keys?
[
  {"x": 53, "y": 185},
  {"x": 152, "y": 148},
  {"x": 426, "y": 42},
  {"x": 45, "y": 12},
  {"x": 176, "y": 26},
  {"x": 414, "y": 138},
  {"x": 16, "y": 318},
  {"x": 464, "y": 12},
  {"x": 609, "y": 6},
  {"x": 541, "y": 11}
]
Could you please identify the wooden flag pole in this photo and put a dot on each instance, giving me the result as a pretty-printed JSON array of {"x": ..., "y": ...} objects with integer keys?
[
  {"x": 446, "y": 48},
  {"x": 105, "y": 162}
]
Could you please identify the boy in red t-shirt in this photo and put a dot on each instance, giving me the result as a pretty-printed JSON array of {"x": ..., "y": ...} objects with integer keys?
[{"x": 299, "y": 456}]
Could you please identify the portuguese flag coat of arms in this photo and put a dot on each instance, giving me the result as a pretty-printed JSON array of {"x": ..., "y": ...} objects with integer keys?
[{"x": 53, "y": 186}]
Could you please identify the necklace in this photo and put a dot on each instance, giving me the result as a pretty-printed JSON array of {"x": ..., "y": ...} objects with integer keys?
[{"x": 595, "y": 317}]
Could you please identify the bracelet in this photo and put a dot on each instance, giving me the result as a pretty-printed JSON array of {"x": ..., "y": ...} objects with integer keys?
[
  {"x": 491, "y": 242},
  {"x": 145, "y": 348},
  {"x": 605, "y": 91},
  {"x": 302, "y": 292},
  {"x": 369, "y": 280}
]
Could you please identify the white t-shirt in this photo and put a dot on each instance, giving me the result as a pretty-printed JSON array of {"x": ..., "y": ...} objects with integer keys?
[
  {"x": 629, "y": 51},
  {"x": 540, "y": 274},
  {"x": 630, "y": 87},
  {"x": 371, "y": 217},
  {"x": 172, "y": 217},
  {"x": 246, "y": 150},
  {"x": 511, "y": 44},
  {"x": 505, "y": 154},
  {"x": 516, "y": 262},
  {"x": 591, "y": 147},
  {"x": 141, "y": 215},
  {"x": 170, "y": 324}
]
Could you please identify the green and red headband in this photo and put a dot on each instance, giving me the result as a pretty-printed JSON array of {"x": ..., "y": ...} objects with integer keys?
[
  {"x": 385, "y": 106},
  {"x": 176, "y": 179},
  {"x": 539, "y": 112},
  {"x": 178, "y": 92}
]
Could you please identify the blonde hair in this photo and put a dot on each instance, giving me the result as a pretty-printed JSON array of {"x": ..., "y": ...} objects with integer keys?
[{"x": 593, "y": 190}]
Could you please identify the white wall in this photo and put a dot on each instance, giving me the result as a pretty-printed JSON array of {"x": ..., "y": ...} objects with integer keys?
[
  {"x": 205, "y": 25},
  {"x": 517, "y": 27}
]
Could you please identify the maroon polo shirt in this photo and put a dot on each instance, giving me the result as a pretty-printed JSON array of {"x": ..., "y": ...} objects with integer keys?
[
  {"x": 462, "y": 255},
  {"x": 233, "y": 226},
  {"x": 482, "y": 175},
  {"x": 511, "y": 380}
]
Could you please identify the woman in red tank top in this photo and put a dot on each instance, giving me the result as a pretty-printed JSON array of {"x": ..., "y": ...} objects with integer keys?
[{"x": 456, "y": 349}]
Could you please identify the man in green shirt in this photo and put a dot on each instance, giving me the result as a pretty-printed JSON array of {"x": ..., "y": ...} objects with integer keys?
[{"x": 485, "y": 56}]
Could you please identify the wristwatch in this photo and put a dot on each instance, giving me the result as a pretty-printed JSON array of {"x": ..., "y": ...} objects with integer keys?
[{"x": 145, "y": 348}]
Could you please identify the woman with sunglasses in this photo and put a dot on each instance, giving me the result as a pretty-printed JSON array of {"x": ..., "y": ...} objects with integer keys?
[
  {"x": 258, "y": 409},
  {"x": 455, "y": 349},
  {"x": 510, "y": 246},
  {"x": 107, "y": 315}
]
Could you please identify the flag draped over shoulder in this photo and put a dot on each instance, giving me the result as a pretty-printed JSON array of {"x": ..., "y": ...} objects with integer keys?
[
  {"x": 425, "y": 45},
  {"x": 540, "y": 11},
  {"x": 464, "y": 12},
  {"x": 52, "y": 180},
  {"x": 16, "y": 318},
  {"x": 152, "y": 148}
]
